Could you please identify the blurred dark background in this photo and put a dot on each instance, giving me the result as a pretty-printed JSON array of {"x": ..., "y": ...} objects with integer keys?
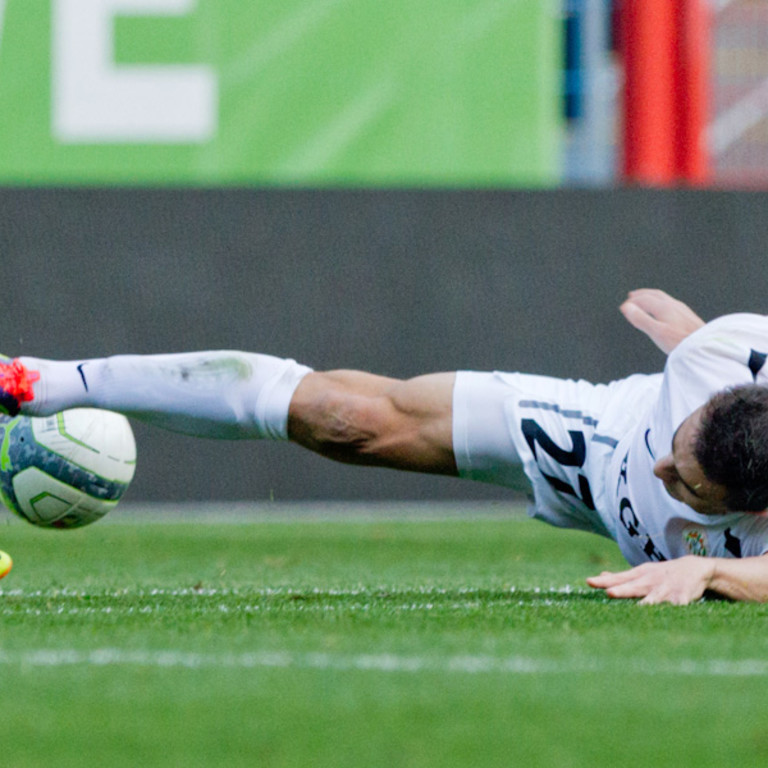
[{"x": 396, "y": 282}]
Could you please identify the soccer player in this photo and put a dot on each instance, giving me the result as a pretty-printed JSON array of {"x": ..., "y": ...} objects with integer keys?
[{"x": 672, "y": 466}]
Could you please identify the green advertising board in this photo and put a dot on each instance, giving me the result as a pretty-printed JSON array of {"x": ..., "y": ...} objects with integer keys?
[{"x": 280, "y": 92}]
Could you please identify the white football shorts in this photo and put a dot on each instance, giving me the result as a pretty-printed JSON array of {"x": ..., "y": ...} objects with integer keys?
[{"x": 562, "y": 431}]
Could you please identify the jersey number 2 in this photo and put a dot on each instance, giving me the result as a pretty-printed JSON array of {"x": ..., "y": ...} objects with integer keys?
[{"x": 575, "y": 457}]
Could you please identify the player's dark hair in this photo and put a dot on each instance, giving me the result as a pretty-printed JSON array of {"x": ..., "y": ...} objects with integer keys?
[{"x": 732, "y": 446}]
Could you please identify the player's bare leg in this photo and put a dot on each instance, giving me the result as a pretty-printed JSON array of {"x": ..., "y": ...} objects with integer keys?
[{"x": 360, "y": 418}]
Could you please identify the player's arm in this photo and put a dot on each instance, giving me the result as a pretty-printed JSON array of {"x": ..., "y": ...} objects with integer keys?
[
  {"x": 665, "y": 320},
  {"x": 686, "y": 579}
]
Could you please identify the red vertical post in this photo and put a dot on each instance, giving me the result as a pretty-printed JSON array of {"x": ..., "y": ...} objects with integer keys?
[
  {"x": 692, "y": 91},
  {"x": 648, "y": 37}
]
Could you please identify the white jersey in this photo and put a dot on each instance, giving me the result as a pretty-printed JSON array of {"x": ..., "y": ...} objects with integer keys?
[
  {"x": 649, "y": 523},
  {"x": 589, "y": 449}
]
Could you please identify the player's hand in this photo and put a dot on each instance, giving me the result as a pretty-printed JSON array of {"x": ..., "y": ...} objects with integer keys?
[
  {"x": 665, "y": 320},
  {"x": 680, "y": 581}
]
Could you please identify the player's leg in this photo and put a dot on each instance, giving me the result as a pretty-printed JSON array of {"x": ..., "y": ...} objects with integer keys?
[{"x": 347, "y": 415}]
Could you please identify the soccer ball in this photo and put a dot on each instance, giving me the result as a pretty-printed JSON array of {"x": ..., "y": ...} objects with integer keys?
[{"x": 65, "y": 470}]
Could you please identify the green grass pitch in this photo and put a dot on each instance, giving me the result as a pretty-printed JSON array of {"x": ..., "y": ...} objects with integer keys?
[{"x": 343, "y": 641}]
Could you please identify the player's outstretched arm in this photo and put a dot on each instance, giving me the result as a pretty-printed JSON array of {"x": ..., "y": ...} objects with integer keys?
[
  {"x": 686, "y": 579},
  {"x": 664, "y": 319}
]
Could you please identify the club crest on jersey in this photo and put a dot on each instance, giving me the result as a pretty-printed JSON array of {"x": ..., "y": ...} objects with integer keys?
[{"x": 696, "y": 542}]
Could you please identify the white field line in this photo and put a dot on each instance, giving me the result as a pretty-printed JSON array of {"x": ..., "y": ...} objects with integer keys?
[
  {"x": 375, "y": 591},
  {"x": 154, "y": 601},
  {"x": 251, "y": 609},
  {"x": 384, "y": 662}
]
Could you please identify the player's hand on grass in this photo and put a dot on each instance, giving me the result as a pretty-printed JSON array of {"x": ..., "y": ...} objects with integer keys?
[
  {"x": 678, "y": 581},
  {"x": 665, "y": 320}
]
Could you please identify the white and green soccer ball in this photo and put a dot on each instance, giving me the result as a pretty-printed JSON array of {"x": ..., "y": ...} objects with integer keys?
[{"x": 65, "y": 470}]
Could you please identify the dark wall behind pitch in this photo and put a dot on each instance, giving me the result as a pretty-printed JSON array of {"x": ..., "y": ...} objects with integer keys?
[{"x": 396, "y": 282}]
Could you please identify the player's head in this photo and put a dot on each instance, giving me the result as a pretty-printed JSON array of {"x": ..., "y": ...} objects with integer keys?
[{"x": 731, "y": 446}]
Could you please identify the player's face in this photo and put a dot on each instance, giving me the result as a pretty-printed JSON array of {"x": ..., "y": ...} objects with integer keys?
[{"x": 682, "y": 475}]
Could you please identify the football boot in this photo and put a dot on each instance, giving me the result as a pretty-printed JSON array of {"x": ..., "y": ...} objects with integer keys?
[{"x": 16, "y": 382}]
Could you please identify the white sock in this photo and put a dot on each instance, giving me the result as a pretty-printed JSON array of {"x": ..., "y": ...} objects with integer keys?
[{"x": 221, "y": 394}]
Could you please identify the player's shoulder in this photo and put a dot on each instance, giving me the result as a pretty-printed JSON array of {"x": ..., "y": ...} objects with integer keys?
[{"x": 726, "y": 352}]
